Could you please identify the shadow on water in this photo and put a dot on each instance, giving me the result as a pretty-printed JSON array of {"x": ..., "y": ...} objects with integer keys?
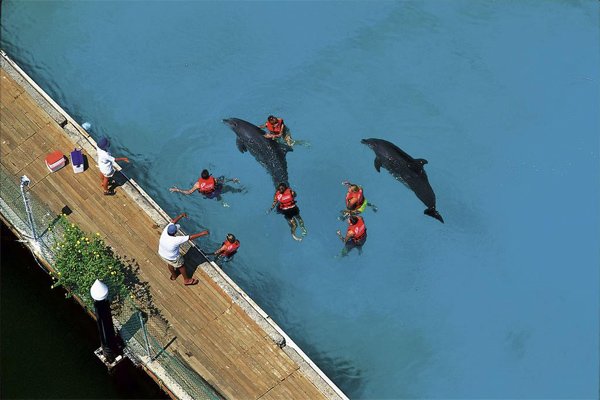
[{"x": 341, "y": 371}]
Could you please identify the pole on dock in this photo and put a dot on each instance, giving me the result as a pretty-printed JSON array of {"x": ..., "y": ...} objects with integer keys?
[
  {"x": 110, "y": 351},
  {"x": 25, "y": 183}
]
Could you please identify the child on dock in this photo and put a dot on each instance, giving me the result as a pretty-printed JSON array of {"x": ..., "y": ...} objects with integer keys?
[{"x": 105, "y": 164}]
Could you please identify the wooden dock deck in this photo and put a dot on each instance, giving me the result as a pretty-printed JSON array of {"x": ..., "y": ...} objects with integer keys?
[{"x": 214, "y": 335}]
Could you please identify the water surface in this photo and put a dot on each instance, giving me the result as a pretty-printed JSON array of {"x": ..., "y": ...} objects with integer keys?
[{"x": 501, "y": 98}]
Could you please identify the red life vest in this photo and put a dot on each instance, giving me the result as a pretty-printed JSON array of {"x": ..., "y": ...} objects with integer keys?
[
  {"x": 207, "y": 186},
  {"x": 359, "y": 229},
  {"x": 355, "y": 195},
  {"x": 276, "y": 127},
  {"x": 230, "y": 248},
  {"x": 285, "y": 199}
]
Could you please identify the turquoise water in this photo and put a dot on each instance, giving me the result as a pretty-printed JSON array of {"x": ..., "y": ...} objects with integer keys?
[{"x": 501, "y": 98}]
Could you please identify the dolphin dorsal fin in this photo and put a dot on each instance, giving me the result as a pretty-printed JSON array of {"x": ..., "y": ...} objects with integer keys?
[
  {"x": 417, "y": 164},
  {"x": 241, "y": 146}
]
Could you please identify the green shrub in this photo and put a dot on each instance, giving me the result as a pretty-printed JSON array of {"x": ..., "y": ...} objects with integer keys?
[{"x": 81, "y": 259}]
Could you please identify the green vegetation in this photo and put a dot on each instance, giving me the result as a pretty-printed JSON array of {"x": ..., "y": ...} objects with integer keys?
[{"x": 81, "y": 259}]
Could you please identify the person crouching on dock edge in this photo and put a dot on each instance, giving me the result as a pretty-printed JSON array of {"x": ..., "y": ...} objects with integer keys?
[
  {"x": 168, "y": 250},
  {"x": 286, "y": 205}
]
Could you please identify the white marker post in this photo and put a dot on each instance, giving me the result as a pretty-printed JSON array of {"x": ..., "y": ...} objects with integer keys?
[{"x": 110, "y": 351}]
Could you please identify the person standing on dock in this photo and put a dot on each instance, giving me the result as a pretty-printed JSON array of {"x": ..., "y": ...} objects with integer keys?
[
  {"x": 168, "y": 250},
  {"x": 286, "y": 205},
  {"x": 105, "y": 164},
  {"x": 356, "y": 236},
  {"x": 209, "y": 187},
  {"x": 228, "y": 249},
  {"x": 355, "y": 200}
]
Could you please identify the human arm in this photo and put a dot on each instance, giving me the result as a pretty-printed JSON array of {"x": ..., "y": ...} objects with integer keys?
[
  {"x": 177, "y": 218},
  {"x": 275, "y": 201},
  {"x": 199, "y": 234},
  {"x": 189, "y": 191},
  {"x": 342, "y": 238},
  {"x": 219, "y": 250}
]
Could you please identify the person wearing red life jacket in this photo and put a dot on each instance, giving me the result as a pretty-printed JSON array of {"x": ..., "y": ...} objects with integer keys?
[
  {"x": 285, "y": 201},
  {"x": 228, "y": 249},
  {"x": 277, "y": 129},
  {"x": 355, "y": 200},
  {"x": 209, "y": 186},
  {"x": 356, "y": 235}
]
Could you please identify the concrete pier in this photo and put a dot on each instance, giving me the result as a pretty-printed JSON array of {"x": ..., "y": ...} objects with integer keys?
[{"x": 218, "y": 331}]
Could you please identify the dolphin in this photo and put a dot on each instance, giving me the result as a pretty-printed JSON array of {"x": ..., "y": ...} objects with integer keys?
[
  {"x": 269, "y": 153},
  {"x": 405, "y": 169}
]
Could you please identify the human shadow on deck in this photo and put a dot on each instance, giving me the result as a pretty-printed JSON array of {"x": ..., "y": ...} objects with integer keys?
[
  {"x": 117, "y": 180},
  {"x": 143, "y": 297},
  {"x": 192, "y": 260}
]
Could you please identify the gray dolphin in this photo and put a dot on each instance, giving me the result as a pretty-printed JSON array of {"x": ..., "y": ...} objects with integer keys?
[
  {"x": 405, "y": 169},
  {"x": 269, "y": 153}
]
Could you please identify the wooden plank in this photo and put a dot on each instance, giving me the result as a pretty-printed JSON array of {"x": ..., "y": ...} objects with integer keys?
[
  {"x": 8, "y": 138},
  {"x": 16, "y": 161},
  {"x": 22, "y": 129},
  {"x": 214, "y": 335},
  {"x": 8, "y": 89}
]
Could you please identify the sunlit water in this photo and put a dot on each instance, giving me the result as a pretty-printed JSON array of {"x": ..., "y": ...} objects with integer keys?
[{"x": 501, "y": 98}]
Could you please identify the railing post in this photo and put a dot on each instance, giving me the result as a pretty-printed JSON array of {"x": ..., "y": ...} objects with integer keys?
[
  {"x": 25, "y": 183},
  {"x": 145, "y": 334}
]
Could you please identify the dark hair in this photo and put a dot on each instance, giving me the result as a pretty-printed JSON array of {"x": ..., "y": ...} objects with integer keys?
[
  {"x": 231, "y": 237},
  {"x": 204, "y": 174},
  {"x": 282, "y": 185},
  {"x": 353, "y": 219},
  {"x": 270, "y": 117}
]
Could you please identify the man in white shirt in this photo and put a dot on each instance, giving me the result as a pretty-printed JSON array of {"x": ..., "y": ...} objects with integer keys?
[
  {"x": 168, "y": 250},
  {"x": 105, "y": 163}
]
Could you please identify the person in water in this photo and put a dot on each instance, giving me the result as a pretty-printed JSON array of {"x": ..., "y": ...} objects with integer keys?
[
  {"x": 356, "y": 235},
  {"x": 228, "y": 249},
  {"x": 286, "y": 205},
  {"x": 105, "y": 164},
  {"x": 355, "y": 200},
  {"x": 277, "y": 130},
  {"x": 208, "y": 186}
]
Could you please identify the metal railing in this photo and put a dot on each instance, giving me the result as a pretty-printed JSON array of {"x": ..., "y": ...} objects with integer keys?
[{"x": 146, "y": 337}]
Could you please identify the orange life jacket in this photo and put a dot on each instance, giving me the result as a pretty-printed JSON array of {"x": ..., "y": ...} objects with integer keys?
[
  {"x": 276, "y": 127},
  {"x": 359, "y": 229},
  {"x": 207, "y": 186},
  {"x": 360, "y": 198},
  {"x": 230, "y": 248},
  {"x": 285, "y": 199}
]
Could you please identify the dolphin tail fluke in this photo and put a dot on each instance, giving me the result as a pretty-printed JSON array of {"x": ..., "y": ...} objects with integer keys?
[{"x": 432, "y": 212}]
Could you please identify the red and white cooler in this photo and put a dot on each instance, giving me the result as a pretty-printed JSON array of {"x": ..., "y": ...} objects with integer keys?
[{"x": 55, "y": 161}]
